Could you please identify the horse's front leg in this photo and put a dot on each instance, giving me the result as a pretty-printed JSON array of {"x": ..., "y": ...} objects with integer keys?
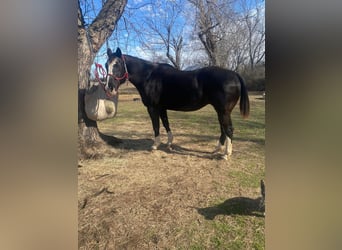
[
  {"x": 165, "y": 121},
  {"x": 154, "y": 115}
]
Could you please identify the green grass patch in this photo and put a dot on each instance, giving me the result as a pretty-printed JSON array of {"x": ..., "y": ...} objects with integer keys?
[
  {"x": 230, "y": 227},
  {"x": 246, "y": 180}
]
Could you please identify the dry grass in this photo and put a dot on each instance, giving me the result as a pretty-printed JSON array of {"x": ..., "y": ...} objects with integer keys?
[{"x": 184, "y": 199}]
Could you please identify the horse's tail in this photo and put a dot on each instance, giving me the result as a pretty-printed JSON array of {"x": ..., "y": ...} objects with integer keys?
[{"x": 244, "y": 100}]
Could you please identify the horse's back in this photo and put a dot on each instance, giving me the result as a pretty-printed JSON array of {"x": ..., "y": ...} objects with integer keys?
[
  {"x": 178, "y": 90},
  {"x": 191, "y": 90},
  {"x": 218, "y": 80},
  {"x": 216, "y": 75}
]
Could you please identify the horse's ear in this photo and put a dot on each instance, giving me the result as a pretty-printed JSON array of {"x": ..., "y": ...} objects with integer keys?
[
  {"x": 118, "y": 52},
  {"x": 109, "y": 52}
]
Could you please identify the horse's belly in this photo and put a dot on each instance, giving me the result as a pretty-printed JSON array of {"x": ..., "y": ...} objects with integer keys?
[
  {"x": 187, "y": 108},
  {"x": 186, "y": 100},
  {"x": 184, "y": 106}
]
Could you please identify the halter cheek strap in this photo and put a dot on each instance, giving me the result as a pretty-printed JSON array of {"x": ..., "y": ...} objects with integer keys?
[{"x": 125, "y": 76}]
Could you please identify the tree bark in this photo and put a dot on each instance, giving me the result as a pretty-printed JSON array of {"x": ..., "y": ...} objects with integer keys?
[
  {"x": 90, "y": 39},
  {"x": 206, "y": 23}
]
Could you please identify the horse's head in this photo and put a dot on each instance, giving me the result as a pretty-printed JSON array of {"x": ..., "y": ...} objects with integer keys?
[{"x": 116, "y": 70}]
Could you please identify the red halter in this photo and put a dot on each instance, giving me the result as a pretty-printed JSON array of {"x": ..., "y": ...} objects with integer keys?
[{"x": 125, "y": 76}]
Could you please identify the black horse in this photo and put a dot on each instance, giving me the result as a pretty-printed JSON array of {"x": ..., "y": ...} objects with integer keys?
[{"x": 163, "y": 87}]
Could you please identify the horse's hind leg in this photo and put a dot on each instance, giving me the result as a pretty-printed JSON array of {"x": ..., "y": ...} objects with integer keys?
[
  {"x": 154, "y": 114},
  {"x": 228, "y": 129},
  {"x": 165, "y": 121},
  {"x": 226, "y": 133},
  {"x": 221, "y": 141}
]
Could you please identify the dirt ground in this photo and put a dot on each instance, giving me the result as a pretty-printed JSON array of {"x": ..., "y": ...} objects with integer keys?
[{"x": 184, "y": 198}]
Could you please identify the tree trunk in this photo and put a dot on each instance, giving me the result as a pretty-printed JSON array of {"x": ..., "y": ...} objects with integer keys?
[
  {"x": 89, "y": 42},
  {"x": 88, "y": 133}
]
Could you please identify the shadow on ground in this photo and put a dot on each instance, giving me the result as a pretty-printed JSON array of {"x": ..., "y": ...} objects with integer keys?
[
  {"x": 234, "y": 206},
  {"x": 131, "y": 144},
  {"x": 176, "y": 149},
  {"x": 145, "y": 144}
]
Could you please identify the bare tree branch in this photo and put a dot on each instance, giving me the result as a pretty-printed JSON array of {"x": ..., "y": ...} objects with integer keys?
[
  {"x": 89, "y": 40},
  {"x": 103, "y": 25}
]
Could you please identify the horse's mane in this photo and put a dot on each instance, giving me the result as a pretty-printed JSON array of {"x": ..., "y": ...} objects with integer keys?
[
  {"x": 149, "y": 62},
  {"x": 139, "y": 59}
]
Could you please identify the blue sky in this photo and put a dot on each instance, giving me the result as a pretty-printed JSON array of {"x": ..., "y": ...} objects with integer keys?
[{"x": 125, "y": 36}]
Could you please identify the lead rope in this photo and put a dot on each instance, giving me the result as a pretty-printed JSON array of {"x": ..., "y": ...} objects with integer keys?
[{"x": 99, "y": 68}]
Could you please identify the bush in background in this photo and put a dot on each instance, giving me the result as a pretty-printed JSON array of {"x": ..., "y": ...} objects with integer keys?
[{"x": 254, "y": 78}]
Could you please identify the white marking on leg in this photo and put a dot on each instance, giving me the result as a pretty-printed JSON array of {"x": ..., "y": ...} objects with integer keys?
[
  {"x": 156, "y": 142},
  {"x": 228, "y": 147},
  {"x": 169, "y": 139},
  {"x": 218, "y": 147}
]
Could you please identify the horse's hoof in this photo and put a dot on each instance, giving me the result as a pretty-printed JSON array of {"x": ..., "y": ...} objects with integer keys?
[
  {"x": 215, "y": 151},
  {"x": 218, "y": 149},
  {"x": 224, "y": 157}
]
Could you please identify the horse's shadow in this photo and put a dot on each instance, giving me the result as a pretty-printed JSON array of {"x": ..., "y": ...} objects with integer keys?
[
  {"x": 131, "y": 144},
  {"x": 176, "y": 149},
  {"x": 146, "y": 144},
  {"x": 234, "y": 206}
]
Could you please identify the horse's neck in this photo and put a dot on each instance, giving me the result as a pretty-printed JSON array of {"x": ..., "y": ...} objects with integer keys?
[{"x": 138, "y": 71}]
